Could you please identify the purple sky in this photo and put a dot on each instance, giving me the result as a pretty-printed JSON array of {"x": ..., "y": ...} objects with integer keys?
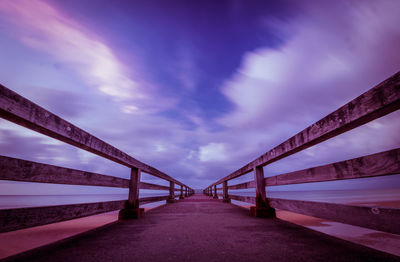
[{"x": 197, "y": 88}]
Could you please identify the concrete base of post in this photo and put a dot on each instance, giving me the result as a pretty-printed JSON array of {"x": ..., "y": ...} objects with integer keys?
[
  {"x": 171, "y": 200},
  {"x": 262, "y": 212},
  {"x": 130, "y": 213},
  {"x": 226, "y": 200}
]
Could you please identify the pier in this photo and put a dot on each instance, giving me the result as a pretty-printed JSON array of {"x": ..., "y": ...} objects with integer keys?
[
  {"x": 204, "y": 227},
  {"x": 200, "y": 228}
]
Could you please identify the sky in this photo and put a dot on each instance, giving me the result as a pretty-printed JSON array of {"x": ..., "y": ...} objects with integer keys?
[{"x": 197, "y": 89}]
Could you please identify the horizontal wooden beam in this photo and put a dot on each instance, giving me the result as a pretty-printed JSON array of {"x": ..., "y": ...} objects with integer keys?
[
  {"x": 24, "y": 112},
  {"x": 247, "y": 199},
  {"x": 22, "y": 170},
  {"x": 375, "y": 103},
  {"x": 19, "y": 218},
  {"x": 380, "y": 164},
  {"x": 145, "y": 200},
  {"x": 377, "y": 218},
  {"x": 249, "y": 184},
  {"x": 144, "y": 185}
]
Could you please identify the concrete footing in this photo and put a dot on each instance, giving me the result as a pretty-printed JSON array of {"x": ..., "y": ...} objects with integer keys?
[
  {"x": 130, "y": 213},
  {"x": 262, "y": 212}
]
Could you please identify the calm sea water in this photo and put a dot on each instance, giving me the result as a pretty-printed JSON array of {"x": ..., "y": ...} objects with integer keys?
[
  {"x": 13, "y": 201},
  {"x": 332, "y": 196}
]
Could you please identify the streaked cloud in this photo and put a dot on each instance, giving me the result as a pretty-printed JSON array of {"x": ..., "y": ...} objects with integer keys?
[{"x": 42, "y": 27}]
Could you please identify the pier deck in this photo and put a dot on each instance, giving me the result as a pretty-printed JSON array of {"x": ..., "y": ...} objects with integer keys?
[{"x": 200, "y": 228}]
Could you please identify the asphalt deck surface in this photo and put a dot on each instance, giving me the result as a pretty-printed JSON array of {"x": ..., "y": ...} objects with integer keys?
[{"x": 199, "y": 228}]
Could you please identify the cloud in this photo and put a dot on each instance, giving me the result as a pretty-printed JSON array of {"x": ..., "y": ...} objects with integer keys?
[
  {"x": 44, "y": 28},
  {"x": 212, "y": 152},
  {"x": 321, "y": 65}
]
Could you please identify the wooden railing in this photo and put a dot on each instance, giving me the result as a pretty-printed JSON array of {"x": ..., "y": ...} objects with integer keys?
[
  {"x": 22, "y": 111},
  {"x": 375, "y": 103}
]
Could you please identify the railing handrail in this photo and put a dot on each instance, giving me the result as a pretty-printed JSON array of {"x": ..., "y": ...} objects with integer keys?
[
  {"x": 18, "y": 109},
  {"x": 15, "y": 169},
  {"x": 375, "y": 103},
  {"x": 379, "y": 164}
]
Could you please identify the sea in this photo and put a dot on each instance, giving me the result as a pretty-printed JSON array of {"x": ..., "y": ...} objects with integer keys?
[
  {"x": 20, "y": 201},
  {"x": 331, "y": 196}
]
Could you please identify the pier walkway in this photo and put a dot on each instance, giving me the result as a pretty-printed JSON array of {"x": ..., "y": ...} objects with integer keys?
[{"x": 200, "y": 228}]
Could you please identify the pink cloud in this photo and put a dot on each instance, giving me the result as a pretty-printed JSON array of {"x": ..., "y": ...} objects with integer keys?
[{"x": 44, "y": 28}]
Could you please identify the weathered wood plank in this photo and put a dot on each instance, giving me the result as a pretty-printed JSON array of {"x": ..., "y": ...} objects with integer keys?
[
  {"x": 145, "y": 200},
  {"x": 22, "y": 170},
  {"x": 245, "y": 185},
  {"x": 134, "y": 183},
  {"x": 375, "y": 103},
  {"x": 225, "y": 192},
  {"x": 24, "y": 112},
  {"x": 144, "y": 185},
  {"x": 261, "y": 196},
  {"x": 377, "y": 218},
  {"x": 380, "y": 164},
  {"x": 19, "y": 218},
  {"x": 247, "y": 199}
]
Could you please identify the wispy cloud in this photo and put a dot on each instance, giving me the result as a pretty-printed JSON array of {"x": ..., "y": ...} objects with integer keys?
[{"x": 44, "y": 28}]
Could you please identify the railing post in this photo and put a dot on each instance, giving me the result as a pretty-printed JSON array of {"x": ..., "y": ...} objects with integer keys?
[
  {"x": 171, "y": 198},
  {"x": 186, "y": 191},
  {"x": 262, "y": 208},
  {"x": 225, "y": 198},
  {"x": 181, "y": 195},
  {"x": 132, "y": 210},
  {"x": 215, "y": 192}
]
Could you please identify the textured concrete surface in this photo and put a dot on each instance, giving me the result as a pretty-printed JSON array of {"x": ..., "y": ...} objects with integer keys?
[{"x": 200, "y": 228}]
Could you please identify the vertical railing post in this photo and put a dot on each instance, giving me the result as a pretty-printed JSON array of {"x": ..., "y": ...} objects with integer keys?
[
  {"x": 215, "y": 192},
  {"x": 186, "y": 191},
  {"x": 181, "y": 195},
  {"x": 225, "y": 198},
  {"x": 132, "y": 210},
  {"x": 171, "y": 198},
  {"x": 262, "y": 208}
]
